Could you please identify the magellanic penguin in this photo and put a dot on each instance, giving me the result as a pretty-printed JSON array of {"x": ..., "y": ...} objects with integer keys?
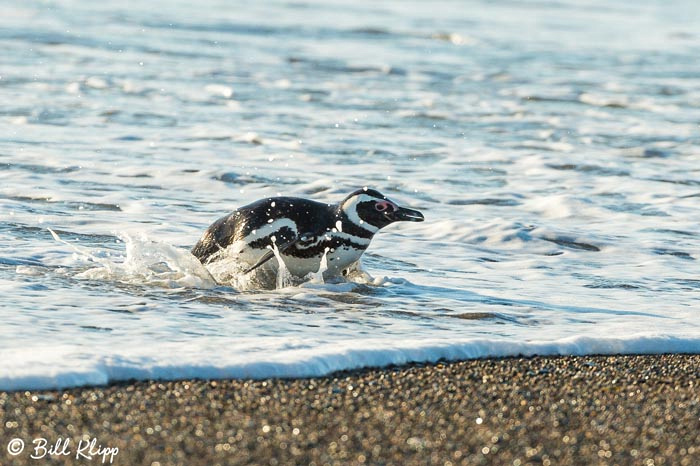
[{"x": 302, "y": 232}]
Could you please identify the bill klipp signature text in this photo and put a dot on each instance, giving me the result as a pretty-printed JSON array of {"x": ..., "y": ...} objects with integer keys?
[{"x": 87, "y": 449}]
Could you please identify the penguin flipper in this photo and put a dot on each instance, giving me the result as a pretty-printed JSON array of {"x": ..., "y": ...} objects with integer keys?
[
  {"x": 266, "y": 257},
  {"x": 303, "y": 239},
  {"x": 270, "y": 254}
]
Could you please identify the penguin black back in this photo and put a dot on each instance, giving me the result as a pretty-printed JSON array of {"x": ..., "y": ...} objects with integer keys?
[{"x": 308, "y": 215}]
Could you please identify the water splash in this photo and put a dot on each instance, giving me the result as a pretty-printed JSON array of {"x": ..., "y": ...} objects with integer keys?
[
  {"x": 84, "y": 253},
  {"x": 226, "y": 269},
  {"x": 317, "y": 277},
  {"x": 284, "y": 277},
  {"x": 146, "y": 262}
]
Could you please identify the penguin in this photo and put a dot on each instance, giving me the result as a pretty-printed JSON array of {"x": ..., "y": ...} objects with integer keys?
[{"x": 302, "y": 232}]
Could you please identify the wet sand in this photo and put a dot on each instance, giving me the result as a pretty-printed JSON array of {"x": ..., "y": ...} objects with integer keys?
[{"x": 517, "y": 411}]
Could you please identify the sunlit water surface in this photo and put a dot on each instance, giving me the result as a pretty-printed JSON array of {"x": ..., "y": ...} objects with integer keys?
[{"x": 552, "y": 146}]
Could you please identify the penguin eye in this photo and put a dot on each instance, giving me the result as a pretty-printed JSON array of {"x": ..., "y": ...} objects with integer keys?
[{"x": 381, "y": 206}]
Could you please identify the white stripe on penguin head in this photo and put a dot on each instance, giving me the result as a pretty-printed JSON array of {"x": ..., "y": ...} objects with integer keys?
[{"x": 350, "y": 209}]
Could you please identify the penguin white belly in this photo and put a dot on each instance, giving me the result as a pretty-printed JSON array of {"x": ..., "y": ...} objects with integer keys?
[
  {"x": 337, "y": 261},
  {"x": 341, "y": 258}
]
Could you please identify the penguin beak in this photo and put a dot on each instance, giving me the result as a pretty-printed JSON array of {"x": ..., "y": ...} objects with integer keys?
[{"x": 405, "y": 215}]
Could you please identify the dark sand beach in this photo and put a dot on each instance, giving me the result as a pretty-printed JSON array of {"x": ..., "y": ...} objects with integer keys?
[{"x": 542, "y": 410}]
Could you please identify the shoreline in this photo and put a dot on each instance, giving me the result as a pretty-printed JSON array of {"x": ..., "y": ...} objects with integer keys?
[{"x": 539, "y": 410}]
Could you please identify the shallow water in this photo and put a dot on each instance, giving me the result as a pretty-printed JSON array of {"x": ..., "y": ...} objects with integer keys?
[{"x": 553, "y": 148}]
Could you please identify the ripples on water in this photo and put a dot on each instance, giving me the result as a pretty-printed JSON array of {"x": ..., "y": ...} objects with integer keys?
[{"x": 552, "y": 146}]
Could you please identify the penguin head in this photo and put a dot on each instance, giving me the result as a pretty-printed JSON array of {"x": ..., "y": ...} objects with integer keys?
[{"x": 371, "y": 210}]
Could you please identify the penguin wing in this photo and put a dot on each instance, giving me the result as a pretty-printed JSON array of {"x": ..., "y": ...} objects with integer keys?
[
  {"x": 282, "y": 247},
  {"x": 268, "y": 255}
]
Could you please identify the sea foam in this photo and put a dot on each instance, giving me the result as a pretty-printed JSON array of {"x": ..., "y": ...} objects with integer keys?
[{"x": 63, "y": 366}]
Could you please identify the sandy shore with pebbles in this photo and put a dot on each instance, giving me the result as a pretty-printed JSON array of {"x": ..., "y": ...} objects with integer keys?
[{"x": 560, "y": 410}]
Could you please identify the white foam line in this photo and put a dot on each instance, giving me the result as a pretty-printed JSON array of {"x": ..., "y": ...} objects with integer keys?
[{"x": 63, "y": 367}]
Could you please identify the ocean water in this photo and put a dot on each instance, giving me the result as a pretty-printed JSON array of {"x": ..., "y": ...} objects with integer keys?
[{"x": 553, "y": 147}]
